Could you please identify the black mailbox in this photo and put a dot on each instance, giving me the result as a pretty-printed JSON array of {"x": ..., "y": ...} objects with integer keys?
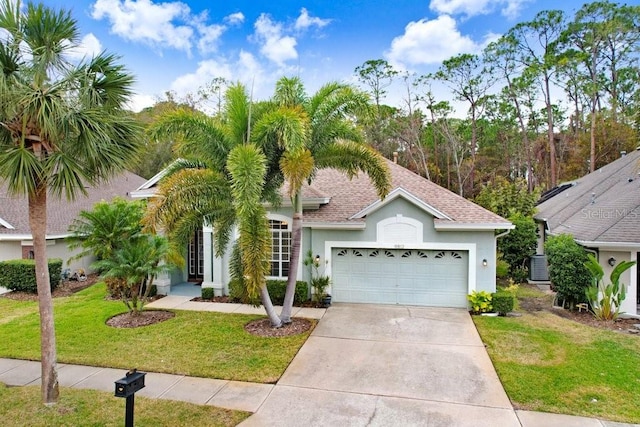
[{"x": 131, "y": 383}]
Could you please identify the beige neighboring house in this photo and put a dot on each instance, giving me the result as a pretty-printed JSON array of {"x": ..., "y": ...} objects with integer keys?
[
  {"x": 15, "y": 234},
  {"x": 601, "y": 211}
]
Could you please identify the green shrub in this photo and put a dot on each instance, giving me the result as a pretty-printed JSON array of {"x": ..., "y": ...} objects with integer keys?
[
  {"x": 276, "y": 288},
  {"x": 502, "y": 268},
  {"x": 518, "y": 246},
  {"x": 20, "y": 274},
  {"x": 207, "y": 293},
  {"x": 605, "y": 300},
  {"x": 502, "y": 302},
  {"x": 480, "y": 301},
  {"x": 567, "y": 271}
]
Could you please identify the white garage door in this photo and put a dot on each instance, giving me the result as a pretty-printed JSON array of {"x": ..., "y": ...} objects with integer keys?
[{"x": 400, "y": 276}]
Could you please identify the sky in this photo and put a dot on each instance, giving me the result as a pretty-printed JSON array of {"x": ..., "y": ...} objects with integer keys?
[{"x": 180, "y": 46}]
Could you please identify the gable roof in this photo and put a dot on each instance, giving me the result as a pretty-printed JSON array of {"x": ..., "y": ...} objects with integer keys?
[
  {"x": 351, "y": 200},
  {"x": 14, "y": 211},
  {"x": 601, "y": 207}
]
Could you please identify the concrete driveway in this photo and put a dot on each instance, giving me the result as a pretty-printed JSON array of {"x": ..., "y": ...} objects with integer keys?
[{"x": 389, "y": 365}]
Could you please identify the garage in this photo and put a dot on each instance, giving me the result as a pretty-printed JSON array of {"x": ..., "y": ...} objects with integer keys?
[{"x": 400, "y": 276}]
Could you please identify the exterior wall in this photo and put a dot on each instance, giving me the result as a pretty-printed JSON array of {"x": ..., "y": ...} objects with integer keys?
[
  {"x": 55, "y": 249},
  {"x": 10, "y": 250},
  {"x": 629, "y": 277},
  {"x": 479, "y": 244}
]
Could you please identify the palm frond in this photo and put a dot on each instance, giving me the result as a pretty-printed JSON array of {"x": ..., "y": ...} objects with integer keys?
[{"x": 297, "y": 167}]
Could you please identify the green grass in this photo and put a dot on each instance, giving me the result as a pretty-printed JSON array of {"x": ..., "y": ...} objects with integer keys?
[
  {"x": 22, "y": 406},
  {"x": 202, "y": 344},
  {"x": 551, "y": 364}
]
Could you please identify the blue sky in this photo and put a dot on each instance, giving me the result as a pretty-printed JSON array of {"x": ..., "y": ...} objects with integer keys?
[{"x": 181, "y": 45}]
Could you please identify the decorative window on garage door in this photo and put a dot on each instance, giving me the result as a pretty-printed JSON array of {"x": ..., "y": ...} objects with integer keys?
[{"x": 280, "y": 248}]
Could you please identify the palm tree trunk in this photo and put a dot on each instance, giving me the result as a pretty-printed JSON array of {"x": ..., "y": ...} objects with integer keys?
[
  {"x": 38, "y": 224},
  {"x": 268, "y": 306},
  {"x": 294, "y": 258}
]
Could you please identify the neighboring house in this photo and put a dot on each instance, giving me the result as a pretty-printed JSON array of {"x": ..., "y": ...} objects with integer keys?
[
  {"x": 601, "y": 211},
  {"x": 15, "y": 233},
  {"x": 421, "y": 245}
]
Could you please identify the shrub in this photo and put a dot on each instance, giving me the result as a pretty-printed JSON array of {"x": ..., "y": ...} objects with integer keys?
[
  {"x": 319, "y": 285},
  {"x": 502, "y": 302},
  {"x": 480, "y": 301},
  {"x": 276, "y": 288},
  {"x": 567, "y": 271},
  {"x": 207, "y": 293},
  {"x": 517, "y": 246},
  {"x": 502, "y": 268},
  {"x": 605, "y": 300},
  {"x": 20, "y": 274}
]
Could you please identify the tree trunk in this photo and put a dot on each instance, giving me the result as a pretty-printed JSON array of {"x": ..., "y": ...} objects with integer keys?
[
  {"x": 294, "y": 258},
  {"x": 551, "y": 139},
  {"x": 38, "y": 224},
  {"x": 268, "y": 306}
]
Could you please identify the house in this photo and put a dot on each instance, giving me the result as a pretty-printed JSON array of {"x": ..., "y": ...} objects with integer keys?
[
  {"x": 15, "y": 233},
  {"x": 421, "y": 245},
  {"x": 601, "y": 211}
]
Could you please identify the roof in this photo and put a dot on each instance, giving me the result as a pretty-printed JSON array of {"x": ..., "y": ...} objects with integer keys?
[
  {"x": 351, "y": 200},
  {"x": 14, "y": 211},
  {"x": 603, "y": 206}
]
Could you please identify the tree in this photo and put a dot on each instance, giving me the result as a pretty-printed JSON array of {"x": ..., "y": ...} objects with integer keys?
[
  {"x": 136, "y": 262},
  {"x": 104, "y": 229},
  {"x": 62, "y": 126},
  {"x": 567, "y": 270}
]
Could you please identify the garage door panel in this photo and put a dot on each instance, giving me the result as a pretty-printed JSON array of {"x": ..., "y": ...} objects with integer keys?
[{"x": 400, "y": 276}]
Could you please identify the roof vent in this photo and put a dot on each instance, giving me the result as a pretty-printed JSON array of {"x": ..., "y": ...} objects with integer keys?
[
  {"x": 593, "y": 198},
  {"x": 623, "y": 153}
]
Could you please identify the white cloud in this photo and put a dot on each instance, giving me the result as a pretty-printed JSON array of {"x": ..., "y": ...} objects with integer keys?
[
  {"x": 209, "y": 37},
  {"x": 305, "y": 21},
  {"x": 508, "y": 8},
  {"x": 429, "y": 42},
  {"x": 276, "y": 46},
  {"x": 147, "y": 22},
  {"x": 88, "y": 47},
  {"x": 138, "y": 102},
  {"x": 235, "y": 18}
]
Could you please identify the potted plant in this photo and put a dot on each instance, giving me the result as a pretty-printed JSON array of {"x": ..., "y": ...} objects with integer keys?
[{"x": 319, "y": 282}]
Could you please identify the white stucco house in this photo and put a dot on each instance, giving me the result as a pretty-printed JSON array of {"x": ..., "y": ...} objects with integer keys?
[
  {"x": 15, "y": 233},
  {"x": 601, "y": 211},
  {"x": 421, "y": 245}
]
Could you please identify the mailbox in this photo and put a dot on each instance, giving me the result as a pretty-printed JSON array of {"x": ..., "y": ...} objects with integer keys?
[{"x": 131, "y": 383}]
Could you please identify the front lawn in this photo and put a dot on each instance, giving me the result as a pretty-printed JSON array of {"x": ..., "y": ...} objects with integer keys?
[
  {"x": 552, "y": 364},
  {"x": 22, "y": 406},
  {"x": 202, "y": 344}
]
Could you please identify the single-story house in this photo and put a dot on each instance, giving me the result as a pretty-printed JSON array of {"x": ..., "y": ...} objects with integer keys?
[
  {"x": 15, "y": 233},
  {"x": 601, "y": 211},
  {"x": 421, "y": 245}
]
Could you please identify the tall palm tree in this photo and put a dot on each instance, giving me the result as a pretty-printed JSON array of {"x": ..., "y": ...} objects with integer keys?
[
  {"x": 62, "y": 127},
  {"x": 238, "y": 169},
  {"x": 330, "y": 139}
]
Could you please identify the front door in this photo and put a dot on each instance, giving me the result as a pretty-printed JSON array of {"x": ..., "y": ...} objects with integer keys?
[{"x": 196, "y": 258}]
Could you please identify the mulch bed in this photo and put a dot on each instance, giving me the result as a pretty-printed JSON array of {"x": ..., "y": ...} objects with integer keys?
[
  {"x": 66, "y": 288},
  {"x": 143, "y": 318},
  {"x": 584, "y": 317},
  {"x": 263, "y": 328}
]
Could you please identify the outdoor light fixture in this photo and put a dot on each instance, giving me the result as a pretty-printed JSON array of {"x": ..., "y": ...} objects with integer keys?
[
  {"x": 612, "y": 261},
  {"x": 317, "y": 259},
  {"x": 484, "y": 262}
]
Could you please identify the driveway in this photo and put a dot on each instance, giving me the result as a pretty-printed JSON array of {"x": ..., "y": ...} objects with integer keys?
[{"x": 389, "y": 365}]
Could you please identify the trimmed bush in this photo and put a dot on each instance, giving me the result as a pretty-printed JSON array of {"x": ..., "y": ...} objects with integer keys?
[
  {"x": 567, "y": 272},
  {"x": 276, "y": 288},
  {"x": 207, "y": 293},
  {"x": 502, "y": 302},
  {"x": 20, "y": 274}
]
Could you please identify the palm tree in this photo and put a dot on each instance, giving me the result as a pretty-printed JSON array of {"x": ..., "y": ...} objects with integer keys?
[
  {"x": 137, "y": 262},
  {"x": 62, "y": 126},
  {"x": 236, "y": 170},
  {"x": 328, "y": 138}
]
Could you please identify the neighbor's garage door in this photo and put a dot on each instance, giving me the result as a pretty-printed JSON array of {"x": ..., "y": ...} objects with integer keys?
[{"x": 400, "y": 276}]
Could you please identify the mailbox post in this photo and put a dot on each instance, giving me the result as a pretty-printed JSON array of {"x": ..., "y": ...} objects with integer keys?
[{"x": 127, "y": 387}]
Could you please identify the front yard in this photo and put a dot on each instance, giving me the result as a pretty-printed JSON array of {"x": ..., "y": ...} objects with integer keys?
[
  {"x": 202, "y": 344},
  {"x": 553, "y": 364}
]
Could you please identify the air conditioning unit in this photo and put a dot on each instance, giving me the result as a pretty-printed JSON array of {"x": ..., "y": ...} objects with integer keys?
[{"x": 538, "y": 271}]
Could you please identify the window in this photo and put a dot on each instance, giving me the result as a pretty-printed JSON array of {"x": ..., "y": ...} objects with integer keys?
[{"x": 280, "y": 248}]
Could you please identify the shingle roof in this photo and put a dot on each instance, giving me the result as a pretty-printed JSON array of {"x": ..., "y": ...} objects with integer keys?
[
  {"x": 348, "y": 197},
  {"x": 603, "y": 206},
  {"x": 60, "y": 213}
]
